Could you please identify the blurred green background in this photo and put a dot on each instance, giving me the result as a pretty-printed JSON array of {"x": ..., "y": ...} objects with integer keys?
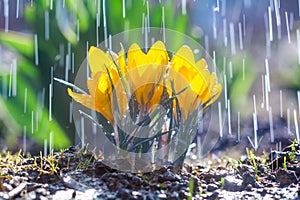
[{"x": 61, "y": 29}]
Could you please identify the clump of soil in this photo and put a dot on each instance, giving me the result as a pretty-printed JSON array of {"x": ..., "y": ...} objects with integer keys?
[{"x": 78, "y": 173}]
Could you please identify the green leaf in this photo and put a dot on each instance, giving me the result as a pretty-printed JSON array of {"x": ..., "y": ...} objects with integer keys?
[
  {"x": 21, "y": 42},
  {"x": 26, "y": 78}
]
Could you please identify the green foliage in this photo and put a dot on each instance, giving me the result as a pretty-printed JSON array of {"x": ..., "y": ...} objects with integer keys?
[
  {"x": 63, "y": 30},
  {"x": 284, "y": 163},
  {"x": 191, "y": 188},
  {"x": 222, "y": 182}
]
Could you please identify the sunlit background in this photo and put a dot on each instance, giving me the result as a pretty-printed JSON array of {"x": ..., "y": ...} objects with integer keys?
[{"x": 255, "y": 44}]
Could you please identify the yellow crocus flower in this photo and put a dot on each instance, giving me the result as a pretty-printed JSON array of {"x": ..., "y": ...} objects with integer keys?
[
  {"x": 147, "y": 72},
  {"x": 143, "y": 76},
  {"x": 203, "y": 86}
]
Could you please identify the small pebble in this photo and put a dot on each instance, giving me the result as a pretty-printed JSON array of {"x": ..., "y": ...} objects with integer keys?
[{"x": 212, "y": 187}]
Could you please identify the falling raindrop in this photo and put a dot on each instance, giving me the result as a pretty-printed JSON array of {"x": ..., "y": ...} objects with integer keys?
[
  {"x": 66, "y": 68},
  {"x": 206, "y": 44},
  {"x": 51, "y": 76},
  {"x": 51, "y": 4},
  {"x": 69, "y": 56},
  {"x": 220, "y": 120},
  {"x": 299, "y": 7},
  {"x": 14, "y": 77},
  {"x": 6, "y": 15},
  {"x": 254, "y": 104},
  {"x": 110, "y": 42},
  {"x": 24, "y": 141},
  {"x": 230, "y": 69},
  {"x": 87, "y": 61},
  {"x": 268, "y": 41},
  {"x": 270, "y": 23},
  {"x": 268, "y": 83},
  {"x": 123, "y": 9},
  {"x": 10, "y": 80},
  {"x": 163, "y": 23},
  {"x": 225, "y": 39},
  {"x": 104, "y": 23},
  {"x": 298, "y": 44},
  {"x": 266, "y": 93},
  {"x": 288, "y": 120},
  {"x": 73, "y": 63},
  {"x": 148, "y": 17},
  {"x": 278, "y": 19},
  {"x": 255, "y": 130},
  {"x": 244, "y": 24},
  {"x": 143, "y": 23},
  {"x": 225, "y": 90},
  {"x": 239, "y": 126},
  {"x": 47, "y": 25},
  {"x": 296, "y": 125},
  {"x": 263, "y": 90},
  {"x": 146, "y": 32},
  {"x": 25, "y": 100},
  {"x": 51, "y": 142},
  {"x": 241, "y": 36},
  {"x": 45, "y": 147},
  {"x": 214, "y": 61},
  {"x": 281, "y": 105},
  {"x": 271, "y": 125},
  {"x": 32, "y": 122},
  {"x": 183, "y": 7},
  {"x": 36, "y": 51},
  {"x": 287, "y": 27},
  {"x": 70, "y": 111},
  {"x": 229, "y": 117},
  {"x": 17, "y": 9},
  {"x": 82, "y": 131},
  {"x": 217, "y": 8},
  {"x": 50, "y": 102}
]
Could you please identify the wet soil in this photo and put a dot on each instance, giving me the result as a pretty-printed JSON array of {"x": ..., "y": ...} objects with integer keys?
[{"x": 78, "y": 174}]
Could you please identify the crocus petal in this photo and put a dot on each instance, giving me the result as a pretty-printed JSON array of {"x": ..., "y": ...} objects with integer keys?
[
  {"x": 92, "y": 83},
  {"x": 98, "y": 60},
  {"x": 83, "y": 99},
  {"x": 183, "y": 57},
  {"x": 158, "y": 54},
  {"x": 135, "y": 56},
  {"x": 92, "y": 103}
]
